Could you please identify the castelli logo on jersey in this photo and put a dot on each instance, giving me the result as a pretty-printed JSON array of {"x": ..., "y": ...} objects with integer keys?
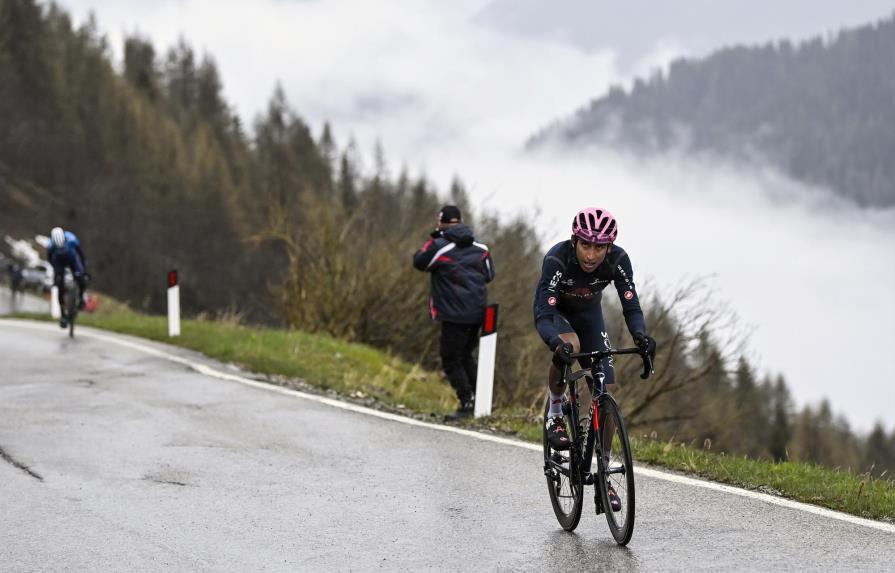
[
  {"x": 629, "y": 295},
  {"x": 551, "y": 301}
]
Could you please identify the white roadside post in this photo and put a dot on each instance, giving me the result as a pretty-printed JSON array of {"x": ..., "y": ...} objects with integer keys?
[
  {"x": 173, "y": 304},
  {"x": 484, "y": 391},
  {"x": 55, "y": 309}
]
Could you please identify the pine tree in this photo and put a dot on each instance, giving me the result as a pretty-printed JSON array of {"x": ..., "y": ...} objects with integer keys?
[
  {"x": 781, "y": 427},
  {"x": 140, "y": 66},
  {"x": 879, "y": 454}
]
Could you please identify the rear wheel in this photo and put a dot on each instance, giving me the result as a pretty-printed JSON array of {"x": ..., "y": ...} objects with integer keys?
[
  {"x": 618, "y": 471},
  {"x": 564, "y": 482}
]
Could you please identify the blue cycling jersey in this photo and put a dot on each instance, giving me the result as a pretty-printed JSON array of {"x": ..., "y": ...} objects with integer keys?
[
  {"x": 69, "y": 255},
  {"x": 565, "y": 289}
]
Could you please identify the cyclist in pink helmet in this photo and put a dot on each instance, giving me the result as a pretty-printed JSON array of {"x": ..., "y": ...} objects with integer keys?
[{"x": 567, "y": 309}]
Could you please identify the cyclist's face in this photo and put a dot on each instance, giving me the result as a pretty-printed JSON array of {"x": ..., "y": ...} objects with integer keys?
[{"x": 590, "y": 255}]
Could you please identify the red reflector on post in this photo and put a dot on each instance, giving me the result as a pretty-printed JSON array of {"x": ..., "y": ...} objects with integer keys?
[
  {"x": 172, "y": 278},
  {"x": 489, "y": 325}
]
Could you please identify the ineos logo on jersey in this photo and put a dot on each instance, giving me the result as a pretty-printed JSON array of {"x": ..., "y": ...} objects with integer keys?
[
  {"x": 608, "y": 344},
  {"x": 555, "y": 280},
  {"x": 606, "y": 340}
]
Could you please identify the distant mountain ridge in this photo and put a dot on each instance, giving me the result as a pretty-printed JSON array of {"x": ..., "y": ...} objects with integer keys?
[{"x": 822, "y": 111}]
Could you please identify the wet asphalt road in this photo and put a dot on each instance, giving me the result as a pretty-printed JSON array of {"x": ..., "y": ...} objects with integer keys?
[{"x": 140, "y": 464}]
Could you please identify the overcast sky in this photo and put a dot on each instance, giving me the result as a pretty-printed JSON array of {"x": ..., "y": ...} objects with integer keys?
[
  {"x": 635, "y": 29},
  {"x": 457, "y": 87}
]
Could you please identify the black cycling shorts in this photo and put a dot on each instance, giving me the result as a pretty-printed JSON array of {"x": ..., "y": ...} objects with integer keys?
[{"x": 591, "y": 330}]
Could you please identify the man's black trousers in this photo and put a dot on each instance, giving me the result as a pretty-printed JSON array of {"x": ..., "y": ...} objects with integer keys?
[{"x": 458, "y": 343}]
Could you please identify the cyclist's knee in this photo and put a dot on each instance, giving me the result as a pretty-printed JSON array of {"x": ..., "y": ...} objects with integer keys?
[{"x": 572, "y": 338}]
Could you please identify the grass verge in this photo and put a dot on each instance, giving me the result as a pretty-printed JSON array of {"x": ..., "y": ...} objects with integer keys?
[
  {"x": 373, "y": 377},
  {"x": 841, "y": 490}
]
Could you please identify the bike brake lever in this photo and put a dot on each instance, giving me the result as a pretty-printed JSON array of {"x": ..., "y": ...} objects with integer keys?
[{"x": 647, "y": 366}]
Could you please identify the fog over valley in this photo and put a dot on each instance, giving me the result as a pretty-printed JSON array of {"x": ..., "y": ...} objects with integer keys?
[{"x": 454, "y": 90}]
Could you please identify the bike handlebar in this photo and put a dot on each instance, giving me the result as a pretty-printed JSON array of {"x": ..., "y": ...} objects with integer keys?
[{"x": 601, "y": 354}]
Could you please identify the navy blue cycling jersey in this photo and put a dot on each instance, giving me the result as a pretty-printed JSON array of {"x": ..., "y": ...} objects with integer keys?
[
  {"x": 564, "y": 288},
  {"x": 70, "y": 255}
]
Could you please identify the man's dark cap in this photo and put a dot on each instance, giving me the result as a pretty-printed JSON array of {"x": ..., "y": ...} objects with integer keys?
[{"x": 449, "y": 212}]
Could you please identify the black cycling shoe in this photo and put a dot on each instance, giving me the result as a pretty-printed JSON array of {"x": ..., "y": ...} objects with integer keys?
[
  {"x": 63, "y": 322},
  {"x": 614, "y": 501},
  {"x": 557, "y": 436}
]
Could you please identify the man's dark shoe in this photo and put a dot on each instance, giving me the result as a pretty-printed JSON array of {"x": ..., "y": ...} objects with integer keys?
[
  {"x": 557, "y": 436},
  {"x": 63, "y": 321},
  {"x": 465, "y": 410},
  {"x": 614, "y": 501}
]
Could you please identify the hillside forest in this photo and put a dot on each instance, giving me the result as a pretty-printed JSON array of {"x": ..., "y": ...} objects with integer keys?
[{"x": 820, "y": 111}]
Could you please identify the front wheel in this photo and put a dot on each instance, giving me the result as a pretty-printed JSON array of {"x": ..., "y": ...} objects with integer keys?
[
  {"x": 71, "y": 302},
  {"x": 618, "y": 471},
  {"x": 564, "y": 483}
]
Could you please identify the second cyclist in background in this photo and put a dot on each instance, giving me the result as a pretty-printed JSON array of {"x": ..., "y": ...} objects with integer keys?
[{"x": 64, "y": 251}]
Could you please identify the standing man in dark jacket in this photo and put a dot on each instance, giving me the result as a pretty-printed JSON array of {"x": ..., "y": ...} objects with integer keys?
[{"x": 460, "y": 268}]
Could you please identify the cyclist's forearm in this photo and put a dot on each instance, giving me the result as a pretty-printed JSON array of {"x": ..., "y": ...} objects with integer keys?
[{"x": 635, "y": 321}]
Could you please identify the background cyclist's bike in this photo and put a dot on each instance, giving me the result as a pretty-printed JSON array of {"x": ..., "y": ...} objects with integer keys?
[
  {"x": 599, "y": 436},
  {"x": 71, "y": 302}
]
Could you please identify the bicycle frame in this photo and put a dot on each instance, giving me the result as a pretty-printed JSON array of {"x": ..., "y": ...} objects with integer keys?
[{"x": 584, "y": 444}]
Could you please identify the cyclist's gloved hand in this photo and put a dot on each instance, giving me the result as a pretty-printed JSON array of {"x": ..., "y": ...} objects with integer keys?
[
  {"x": 561, "y": 355},
  {"x": 645, "y": 343}
]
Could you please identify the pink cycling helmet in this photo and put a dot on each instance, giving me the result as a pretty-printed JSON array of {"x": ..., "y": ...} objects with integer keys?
[{"x": 595, "y": 225}]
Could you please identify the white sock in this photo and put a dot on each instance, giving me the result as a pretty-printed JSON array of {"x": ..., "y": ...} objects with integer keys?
[{"x": 555, "y": 405}]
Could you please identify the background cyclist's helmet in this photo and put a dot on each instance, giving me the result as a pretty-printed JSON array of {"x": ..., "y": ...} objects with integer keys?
[
  {"x": 57, "y": 237},
  {"x": 595, "y": 225}
]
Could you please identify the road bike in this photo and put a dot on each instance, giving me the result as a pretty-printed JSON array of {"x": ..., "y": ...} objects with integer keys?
[
  {"x": 70, "y": 312},
  {"x": 600, "y": 436}
]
